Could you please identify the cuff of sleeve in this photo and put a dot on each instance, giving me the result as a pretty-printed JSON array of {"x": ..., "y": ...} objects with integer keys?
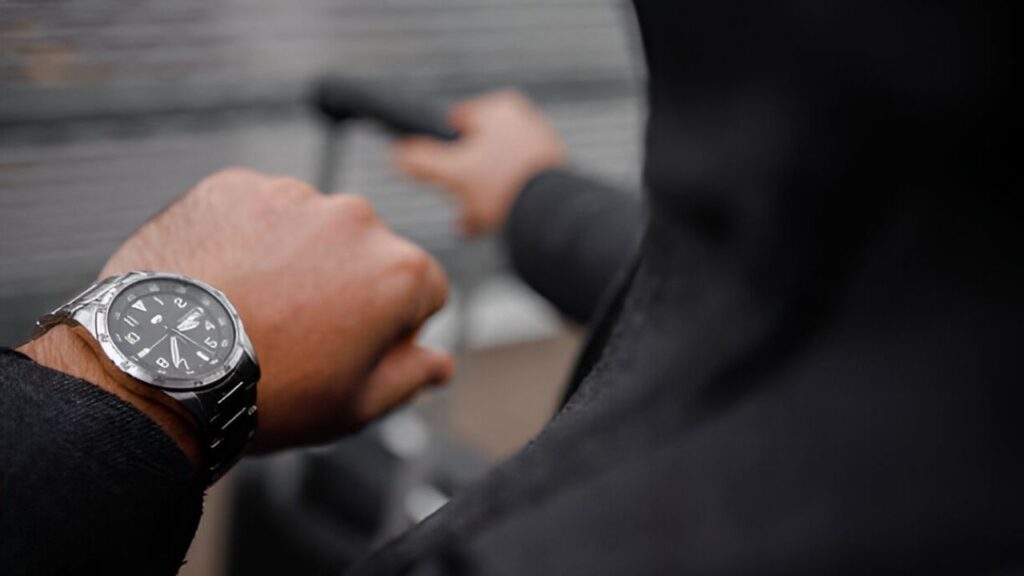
[
  {"x": 88, "y": 475},
  {"x": 121, "y": 435},
  {"x": 530, "y": 199}
]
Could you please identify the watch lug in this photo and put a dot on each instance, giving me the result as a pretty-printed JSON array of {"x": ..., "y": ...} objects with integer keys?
[{"x": 86, "y": 317}]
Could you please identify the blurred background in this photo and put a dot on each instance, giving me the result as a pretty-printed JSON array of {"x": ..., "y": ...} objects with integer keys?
[{"x": 110, "y": 110}]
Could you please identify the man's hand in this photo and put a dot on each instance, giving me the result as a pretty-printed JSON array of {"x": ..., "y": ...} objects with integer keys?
[
  {"x": 331, "y": 299},
  {"x": 504, "y": 141}
]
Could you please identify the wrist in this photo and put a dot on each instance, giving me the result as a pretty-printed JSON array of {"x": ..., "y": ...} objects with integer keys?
[{"x": 66, "y": 349}]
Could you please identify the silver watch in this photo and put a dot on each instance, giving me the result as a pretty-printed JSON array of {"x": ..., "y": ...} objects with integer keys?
[{"x": 182, "y": 337}]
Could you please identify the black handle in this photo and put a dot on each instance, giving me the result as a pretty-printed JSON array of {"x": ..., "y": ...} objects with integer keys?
[{"x": 340, "y": 99}]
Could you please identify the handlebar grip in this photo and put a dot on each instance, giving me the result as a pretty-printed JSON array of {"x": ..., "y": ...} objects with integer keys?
[{"x": 340, "y": 99}]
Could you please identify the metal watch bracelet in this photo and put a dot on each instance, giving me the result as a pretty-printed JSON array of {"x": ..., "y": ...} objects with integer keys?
[{"x": 225, "y": 411}]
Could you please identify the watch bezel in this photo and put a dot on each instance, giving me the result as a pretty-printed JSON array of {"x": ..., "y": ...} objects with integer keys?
[{"x": 139, "y": 372}]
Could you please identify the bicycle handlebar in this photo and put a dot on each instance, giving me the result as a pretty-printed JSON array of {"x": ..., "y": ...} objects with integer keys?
[{"x": 340, "y": 99}]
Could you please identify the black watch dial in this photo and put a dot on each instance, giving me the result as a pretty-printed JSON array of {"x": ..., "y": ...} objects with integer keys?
[{"x": 172, "y": 328}]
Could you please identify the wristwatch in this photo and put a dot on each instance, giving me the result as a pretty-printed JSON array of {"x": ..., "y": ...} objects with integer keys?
[{"x": 182, "y": 337}]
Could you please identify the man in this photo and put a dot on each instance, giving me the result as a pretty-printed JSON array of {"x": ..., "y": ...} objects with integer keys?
[{"x": 808, "y": 368}]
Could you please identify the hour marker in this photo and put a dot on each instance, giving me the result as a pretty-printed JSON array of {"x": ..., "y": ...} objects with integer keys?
[
  {"x": 202, "y": 355},
  {"x": 209, "y": 325},
  {"x": 144, "y": 352},
  {"x": 131, "y": 321},
  {"x": 156, "y": 319},
  {"x": 161, "y": 302},
  {"x": 139, "y": 306}
]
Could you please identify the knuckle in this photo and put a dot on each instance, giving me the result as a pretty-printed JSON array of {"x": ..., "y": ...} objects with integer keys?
[
  {"x": 224, "y": 181},
  {"x": 512, "y": 95},
  {"x": 287, "y": 187},
  {"x": 440, "y": 288},
  {"x": 354, "y": 208},
  {"x": 413, "y": 261},
  {"x": 230, "y": 175},
  {"x": 511, "y": 99},
  {"x": 408, "y": 264},
  {"x": 423, "y": 274}
]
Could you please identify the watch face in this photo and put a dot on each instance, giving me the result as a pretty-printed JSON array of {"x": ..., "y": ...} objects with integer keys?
[{"x": 175, "y": 329}]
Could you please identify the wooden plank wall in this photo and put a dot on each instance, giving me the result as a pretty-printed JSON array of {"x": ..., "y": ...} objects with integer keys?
[{"x": 110, "y": 109}]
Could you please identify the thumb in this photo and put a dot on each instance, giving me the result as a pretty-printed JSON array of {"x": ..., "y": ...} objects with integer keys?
[
  {"x": 400, "y": 374},
  {"x": 428, "y": 159}
]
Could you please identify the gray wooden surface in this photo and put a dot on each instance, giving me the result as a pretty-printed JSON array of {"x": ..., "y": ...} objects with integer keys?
[{"x": 109, "y": 110}]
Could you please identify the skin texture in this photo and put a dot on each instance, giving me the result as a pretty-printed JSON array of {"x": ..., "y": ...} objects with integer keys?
[
  {"x": 504, "y": 140},
  {"x": 332, "y": 301}
]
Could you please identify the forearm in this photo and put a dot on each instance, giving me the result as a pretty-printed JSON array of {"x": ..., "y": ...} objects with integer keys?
[
  {"x": 88, "y": 483},
  {"x": 568, "y": 236}
]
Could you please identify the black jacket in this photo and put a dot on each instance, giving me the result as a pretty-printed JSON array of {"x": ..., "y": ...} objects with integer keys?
[{"x": 810, "y": 367}]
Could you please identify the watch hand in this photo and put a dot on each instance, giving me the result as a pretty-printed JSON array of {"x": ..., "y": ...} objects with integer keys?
[
  {"x": 191, "y": 340},
  {"x": 190, "y": 320},
  {"x": 175, "y": 355},
  {"x": 142, "y": 353}
]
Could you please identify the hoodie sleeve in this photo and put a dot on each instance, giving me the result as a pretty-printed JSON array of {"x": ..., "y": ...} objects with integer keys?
[
  {"x": 568, "y": 236},
  {"x": 88, "y": 483}
]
